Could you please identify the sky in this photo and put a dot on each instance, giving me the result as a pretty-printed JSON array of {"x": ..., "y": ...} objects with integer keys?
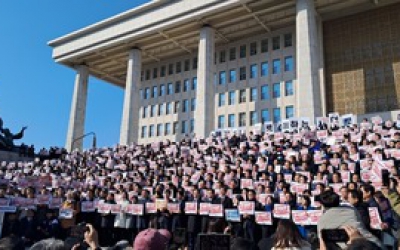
[{"x": 37, "y": 92}]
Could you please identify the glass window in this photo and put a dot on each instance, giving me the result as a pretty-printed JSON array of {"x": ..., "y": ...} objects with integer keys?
[
  {"x": 264, "y": 92},
  {"x": 289, "y": 63},
  {"x": 264, "y": 69},
  {"x": 168, "y": 110},
  {"x": 242, "y": 51},
  {"x": 176, "y": 107},
  {"x": 191, "y": 125},
  {"x": 253, "y": 94},
  {"x": 144, "y": 132},
  {"x": 276, "y": 90},
  {"x": 185, "y": 107},
  {"x": 253, "y": 48},
  {"x": 163, "y": 70},
  {"x": 151, "y": 130},
  {"x": 152, "y": 110},
  {"x": 170, "y": 89},
  {"x": 175, "y": 128},
  {"x": 161, "y": 109},
  {"x": 167, "y": 130},
  {"x": 178, "y": 87},
  {"x": 184, "y": 127},
  {"x": 187, "y": 65},
  {"x": 159, "y": 129},
  {"x": 232, "y": 54},
  {"x": 277, "y": 115},
  {"x": 154, "y": 93},
  {"x": 144, "y": 112},
  {"x": 186, "y": 85},
  {"x": 288, "y": 40},
  {"x": 288, "y": 88},
  {"x": 221, "y": 99},
  {"x": 195, "y": 63},
  {"x": 265, "y": 115},
  {"x": 193, "y": 104},
  {"x": 148, "y": 74},
  {"x": 276, "y": 43},
  {"x": 231, "y": 120},
  {"x": 253, "y": 71},
  {"x": 170, "y": 69},
  {"x": 289, "y": 111},
  {"x": 221, "y": 121},
  {"x": 178, "y": 67},
  {"x": 141, "y": 94},
  {"x": 222, "y": 56},
  {"x": 242, "y": 73},
  {"x": 147, "y": 93},
  {"x": 242, "y": 119},
  {"x": 276, "y": 66},
  {"x": 194, "y": 83},
  {"x": 142, "y": 76},
  {"x": 242, "y": 95},
  {"x": 232, "y": 75},
  {"x": 155, "y": 73},
  {"x": 231, "y": 100},
  {"x": 222, "y": 77},
  {"x": 162, "y": 90},
  {"x": 253, "y": 118},
  {"x": 264, "y": 45}
]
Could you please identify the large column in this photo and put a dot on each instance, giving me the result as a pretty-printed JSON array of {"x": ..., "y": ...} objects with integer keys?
[
  {"x": 307, "y": 66},
  {"x": 130, "y": 115},
  {"x": 204, "y": 114},
  {"x": 322, "y": 81},
  {"x": 76, "y": 126}
]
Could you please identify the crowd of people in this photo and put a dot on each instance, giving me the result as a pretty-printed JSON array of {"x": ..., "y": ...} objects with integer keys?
[{"x": 266, "y": 190}]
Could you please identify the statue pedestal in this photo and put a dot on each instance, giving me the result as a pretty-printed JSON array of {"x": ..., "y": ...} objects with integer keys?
[{"x": 12, "y": 156}]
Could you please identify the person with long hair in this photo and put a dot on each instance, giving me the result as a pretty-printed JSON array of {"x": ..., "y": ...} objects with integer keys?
[{"x": 287, "y": 237}]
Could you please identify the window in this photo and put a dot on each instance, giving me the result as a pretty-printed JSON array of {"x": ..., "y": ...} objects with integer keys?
[
  {"x": 289, "y": 111},
  {"x": 194, "y": 83},
  {"x": 232, "y": 75},
  {"x": 231, "y": 120},
  {"x": 193, "y": 104},
  {"x": 242, "y": 52},
  {"x": 148, "y": 74},
  {"x": 253, "y": 71},
  {"x": 147, "y": 93},
  {"x": 195, "y": 63},
  {"x": 178, "y": 87},
  {"x": 178, "y": 67},
  {"x": 152, "y": 110},
  {"x": 143, "y": 134},
  {"x": 161, "y": 109},
  {"x": 264, "y": 69},
  {"x": 162, "y": 90},
  {"x": 151, "y": 130},
  {"x": 170, "y": 69},
  {"x": 155, "y": 92},
  {"x": 176, "y": 107},
  {"x": 253, "y": 118},
  {"x": 232, "y": 54},
  {"x": 242, "y": 119},
  {"x": 288, "y": 88},
  {"x": 222, "y": 77},
  {"x": 265, "y": 115},
  {"x": 276, "y": 66},
  {"x": 144, "y": 112},
  {"x": 222, "y": 56},
  {"x": 221, "y": 99},
  {"x": 170, "y": 89},
  {"x": 185, "y": 106},
  {"x": 242, "y": 95},
  {"x": 277, "y": 115},
  {"x": 168, "y": 109},
  {"x": 187, "y": 65},
  {"x": 288, "y": 40},
  {"x": 191, "y": 125},
  {"x": 141, "y": 94},
  {"x": 253, "y": 94},
  {"x": 221, "y": 121},
  {"x": 167, "y": 130},
  {"x": 163, "y": 70},
  {"x": 231, "y": 100},
  {"x": 276, "y": 90},
  {"x": 155, "y": 73},
  {"x": 253, "y": 49},
  {"x": 264, "y": 46},
  {"x": 276, "y": 43},
  {"x": 289, "y": 63},
  {"x": 175, "y": 128},
  {"x": 242, "y": 73},
  {"x": 184, "y": 127},
  {"x": 186, "y": 85},
  {"x": 264, "y": 92},
  {"x": 159, "y": 129},
  {"x": 142, "y": 76}
]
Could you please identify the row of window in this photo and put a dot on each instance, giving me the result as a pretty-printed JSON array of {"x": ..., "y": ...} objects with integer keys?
[
  {"x": 253, "y": 94},
  {"x": 169, "y": 89},
  {"x": 169, "y": 108},
  {"x": 173, "y": 68},
  {"x": 265, "y": 117},
  {"x": 254, "y": 47},
  {"x": 167, "y": 129}
]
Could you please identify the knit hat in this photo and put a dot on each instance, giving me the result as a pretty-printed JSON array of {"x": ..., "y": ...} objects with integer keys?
[{"x": 152, "y": 239}]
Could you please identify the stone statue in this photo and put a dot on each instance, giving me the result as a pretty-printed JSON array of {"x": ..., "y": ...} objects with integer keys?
[{"x": 7, "y": 138}]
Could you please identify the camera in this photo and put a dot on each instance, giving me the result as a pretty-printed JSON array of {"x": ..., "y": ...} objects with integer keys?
[{"x": 334, "y": 235}]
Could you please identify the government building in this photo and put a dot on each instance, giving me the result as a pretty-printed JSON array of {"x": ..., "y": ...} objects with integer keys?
[{"x": 194, "y": 66}]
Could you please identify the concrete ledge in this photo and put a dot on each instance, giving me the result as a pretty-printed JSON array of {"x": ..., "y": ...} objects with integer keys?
[{"x": 12, "y": 156}]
